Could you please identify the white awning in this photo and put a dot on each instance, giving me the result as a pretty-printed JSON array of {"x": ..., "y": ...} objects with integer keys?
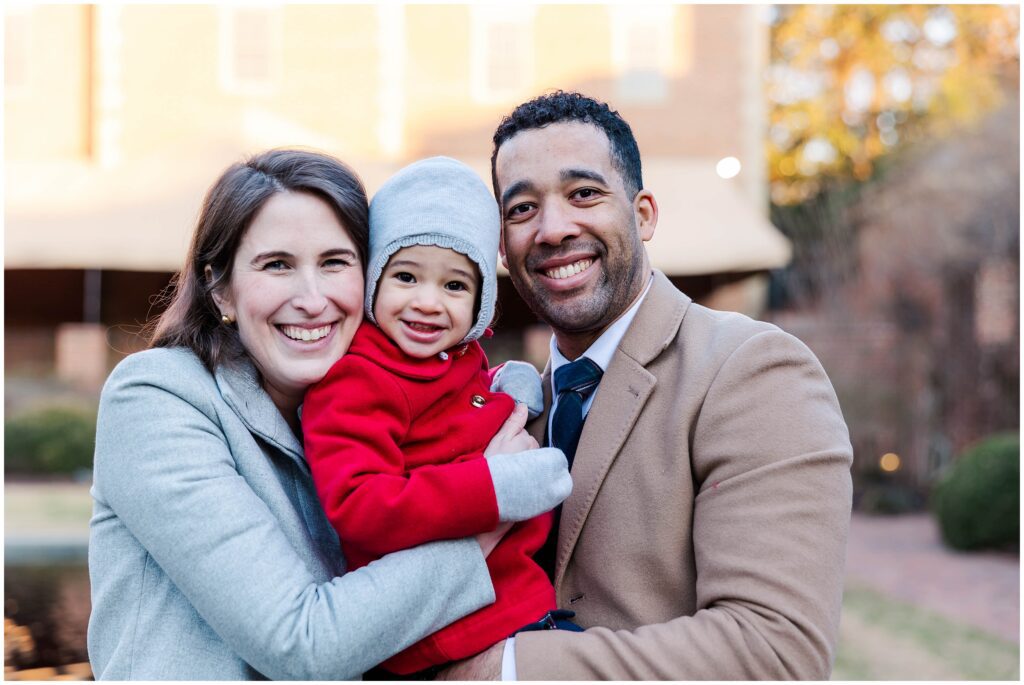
[
  {"x": 74, "y": 215},
  {"x": 139, "y": 216},
  {"x": 706, "y": 225}
]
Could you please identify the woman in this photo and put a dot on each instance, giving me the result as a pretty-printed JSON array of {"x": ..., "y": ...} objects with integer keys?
[{"x": 209, "y": 555}]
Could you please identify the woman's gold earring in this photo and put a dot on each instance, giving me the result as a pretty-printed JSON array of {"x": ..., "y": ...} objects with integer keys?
[{"x": 227, "y": 320}]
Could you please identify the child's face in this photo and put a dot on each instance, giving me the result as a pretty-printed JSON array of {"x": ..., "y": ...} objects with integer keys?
[{"x": 425, "y": 299}]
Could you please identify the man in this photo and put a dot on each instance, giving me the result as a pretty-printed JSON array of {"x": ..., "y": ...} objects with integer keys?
[{"x": 705, "y": 535}]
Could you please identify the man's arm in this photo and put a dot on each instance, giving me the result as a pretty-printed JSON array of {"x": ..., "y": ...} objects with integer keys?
[
  {"x": 484, "y": 666},
  {"x": 771, "y": 457}
]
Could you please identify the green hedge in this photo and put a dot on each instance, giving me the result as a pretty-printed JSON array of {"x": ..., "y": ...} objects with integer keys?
[
  {"x": 49, "y": 440},
  {"x": 977, "y": 502}
]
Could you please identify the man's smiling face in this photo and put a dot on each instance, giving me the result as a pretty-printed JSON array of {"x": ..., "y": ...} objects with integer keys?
[{"x": 572, "y": 239}]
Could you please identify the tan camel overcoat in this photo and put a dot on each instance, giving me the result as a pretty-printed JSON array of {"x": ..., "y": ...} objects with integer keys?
[{"x": 706, "y": 532}]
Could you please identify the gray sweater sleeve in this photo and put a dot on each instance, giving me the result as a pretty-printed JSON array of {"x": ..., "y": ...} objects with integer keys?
[
  {"x": 528, "y": 483},
  {"x": 165, "y": 468}
]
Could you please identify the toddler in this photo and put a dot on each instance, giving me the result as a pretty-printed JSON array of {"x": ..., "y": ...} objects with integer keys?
[{"x": 395, "y": 433}]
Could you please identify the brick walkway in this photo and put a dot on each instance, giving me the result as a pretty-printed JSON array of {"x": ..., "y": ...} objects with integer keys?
[{"x": 904, "y": 558}]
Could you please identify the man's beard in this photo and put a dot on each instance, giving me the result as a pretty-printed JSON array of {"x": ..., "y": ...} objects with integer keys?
[{"x": 604, "y": 301}]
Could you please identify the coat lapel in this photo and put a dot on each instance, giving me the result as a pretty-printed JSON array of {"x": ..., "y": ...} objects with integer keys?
[
  {"x": 240, "y": 387},
  {"x": 621, "y": 396}
]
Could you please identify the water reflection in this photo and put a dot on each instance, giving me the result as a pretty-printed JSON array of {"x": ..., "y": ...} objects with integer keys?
[{"x": 46, "y": 612}]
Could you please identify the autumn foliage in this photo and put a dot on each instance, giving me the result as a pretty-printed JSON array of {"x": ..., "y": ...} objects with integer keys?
[{"x": 850, "y": 83}]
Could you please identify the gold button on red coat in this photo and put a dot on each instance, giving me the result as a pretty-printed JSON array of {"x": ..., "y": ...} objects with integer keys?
[{"x": 478, "y": 401}]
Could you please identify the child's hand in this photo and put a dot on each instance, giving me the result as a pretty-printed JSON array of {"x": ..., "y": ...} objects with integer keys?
[
  {"x": 523, "y": 383},
  {"x": 512, "y": 436}
]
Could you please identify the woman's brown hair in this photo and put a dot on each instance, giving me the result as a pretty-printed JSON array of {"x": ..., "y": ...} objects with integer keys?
[{"x": 192, "y": 319}]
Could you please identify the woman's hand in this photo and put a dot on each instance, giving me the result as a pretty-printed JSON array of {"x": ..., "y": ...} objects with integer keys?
[
  {"x": 512, "y": 436},
  {"x": 488, "y": 541}
]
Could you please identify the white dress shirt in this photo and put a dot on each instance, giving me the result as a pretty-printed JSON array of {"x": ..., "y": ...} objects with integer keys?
[{"x": 600, "y": 352}]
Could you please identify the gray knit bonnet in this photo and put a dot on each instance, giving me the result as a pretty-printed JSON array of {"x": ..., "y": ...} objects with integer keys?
[{"x": 438, "y": 201}]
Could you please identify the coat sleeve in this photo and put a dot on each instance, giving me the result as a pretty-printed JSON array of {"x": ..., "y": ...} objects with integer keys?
[
  {"x": 354, "y": 422},
  {"x": 771, "y": 456},
  {"x": 163, "y": 465}
]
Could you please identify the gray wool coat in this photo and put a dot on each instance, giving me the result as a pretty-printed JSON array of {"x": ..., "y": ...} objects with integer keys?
[{"x": 209, "y": 554}]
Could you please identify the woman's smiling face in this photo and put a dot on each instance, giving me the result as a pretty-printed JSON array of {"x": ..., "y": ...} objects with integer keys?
[{"x": 296, "y": 294}]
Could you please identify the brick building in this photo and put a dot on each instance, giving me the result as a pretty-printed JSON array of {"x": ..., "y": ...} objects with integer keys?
[{"x": 112, "y": 140}]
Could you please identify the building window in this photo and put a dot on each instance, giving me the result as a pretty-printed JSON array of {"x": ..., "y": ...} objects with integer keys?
[
  {"x": 501, "y": 53},
  {"x": 996, "y": 303},
  {"x": 642, "y": 48},
  {"x": 250, "y": 54},
  {"x": 17, "y": 40}
]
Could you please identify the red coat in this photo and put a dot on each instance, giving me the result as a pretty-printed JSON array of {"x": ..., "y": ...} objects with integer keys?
[{"x": 395, "y": 445}]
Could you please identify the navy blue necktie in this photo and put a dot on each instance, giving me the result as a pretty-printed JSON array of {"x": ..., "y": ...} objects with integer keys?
[{"x": 573, "y": 383}]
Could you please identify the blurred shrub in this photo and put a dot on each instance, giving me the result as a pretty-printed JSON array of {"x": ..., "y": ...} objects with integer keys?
[
  {"x": 977, "y": 501},
  {"x": 49, "y": 440}
]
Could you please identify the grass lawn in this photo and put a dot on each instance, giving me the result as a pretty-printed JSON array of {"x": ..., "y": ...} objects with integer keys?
[
  {"x": 879, "y": 638},
  {"x": 884, "y": 639},
  {"x": 35, "y": 507}
]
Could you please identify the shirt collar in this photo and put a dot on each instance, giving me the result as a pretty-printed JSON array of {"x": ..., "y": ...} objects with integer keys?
[{"x": 601, "y": 350}]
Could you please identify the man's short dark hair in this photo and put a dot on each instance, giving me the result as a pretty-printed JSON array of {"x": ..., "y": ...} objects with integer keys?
[{"x": 561, "y": 106}]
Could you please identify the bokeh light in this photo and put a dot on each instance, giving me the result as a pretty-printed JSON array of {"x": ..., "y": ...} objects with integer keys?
[
  {"x": 889, "y": 462},
  {"x": 728, "y": 167}
]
